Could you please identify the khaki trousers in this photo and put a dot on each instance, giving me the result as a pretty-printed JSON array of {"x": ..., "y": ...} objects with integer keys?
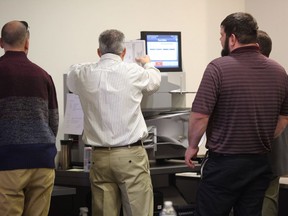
[
  {"x": 270, "y": 204},
  {"x": 26, "y": 192},
  {"x": 121, "y": 176}
]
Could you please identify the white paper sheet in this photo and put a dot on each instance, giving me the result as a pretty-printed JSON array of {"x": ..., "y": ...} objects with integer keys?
[
  {"x": 73, "y": 118},
  {"x": 134, "y": 49}
]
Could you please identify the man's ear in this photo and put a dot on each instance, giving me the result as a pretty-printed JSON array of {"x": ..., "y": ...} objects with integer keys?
[
  {"x": 26, "y": 46},
  {"x": 99, "y": 52},
  {"x": 122, "y": 55},
  {"x": 233, "y": 40},
  {"x": 1, "y": 43}
]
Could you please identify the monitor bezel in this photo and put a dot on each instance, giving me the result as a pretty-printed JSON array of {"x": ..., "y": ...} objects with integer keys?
[{"x": 144, "y": 35}]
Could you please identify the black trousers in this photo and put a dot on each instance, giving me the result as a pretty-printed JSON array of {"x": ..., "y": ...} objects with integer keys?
[{"x": 233, "y": 181}]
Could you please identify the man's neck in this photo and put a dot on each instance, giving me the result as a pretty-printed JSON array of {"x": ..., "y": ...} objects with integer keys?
[{"x": 238, "y": 45}]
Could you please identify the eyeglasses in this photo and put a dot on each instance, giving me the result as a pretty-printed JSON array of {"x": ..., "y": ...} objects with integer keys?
[{"x": 25, "y": 24}]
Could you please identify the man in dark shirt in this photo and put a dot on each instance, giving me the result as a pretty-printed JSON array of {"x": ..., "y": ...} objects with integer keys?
[
  {"x": 278, "y": 157},
  {"x": 28, "y": 127},
  {"x": 242, "y": 104}
]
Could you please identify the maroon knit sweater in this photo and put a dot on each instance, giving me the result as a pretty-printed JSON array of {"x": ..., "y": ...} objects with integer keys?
[{"x": 28, "y": 114}]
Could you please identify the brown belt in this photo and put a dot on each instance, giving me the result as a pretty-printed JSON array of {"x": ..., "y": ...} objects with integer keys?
[{"x": 138, "y": 143}]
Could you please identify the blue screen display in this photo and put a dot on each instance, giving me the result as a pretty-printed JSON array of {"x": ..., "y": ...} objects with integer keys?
[{"x": 164, "y": 50}]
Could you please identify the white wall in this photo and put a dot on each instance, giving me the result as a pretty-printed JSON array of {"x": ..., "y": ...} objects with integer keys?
[
  {"x": 272, "y": 17},
  {"x": 64, "y": 32}
]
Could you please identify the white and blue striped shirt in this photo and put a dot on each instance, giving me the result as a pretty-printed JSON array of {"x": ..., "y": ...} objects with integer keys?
[{"x": 110, "y": 93}]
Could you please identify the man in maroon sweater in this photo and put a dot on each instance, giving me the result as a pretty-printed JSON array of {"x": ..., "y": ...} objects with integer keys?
[{"x": 28, "y": 127}]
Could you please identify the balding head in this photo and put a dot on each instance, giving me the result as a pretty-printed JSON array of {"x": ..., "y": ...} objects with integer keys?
[{"x": 15, "y": 36}]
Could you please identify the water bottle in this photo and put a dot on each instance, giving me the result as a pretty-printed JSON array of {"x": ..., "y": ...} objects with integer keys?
[
  {"x": 168, "y": 209},
  {"x": 83, "y": 211}
]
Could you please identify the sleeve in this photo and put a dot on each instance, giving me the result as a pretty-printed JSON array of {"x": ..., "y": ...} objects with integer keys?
[
  {"x": 72, "y": 77},
  {"x": 153, "y": 77},
  {"x": 208, "y": 91},
  {"x": 74, "y": 74}
]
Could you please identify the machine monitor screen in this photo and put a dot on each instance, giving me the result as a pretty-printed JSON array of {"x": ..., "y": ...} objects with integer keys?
[{"x": 164, "y": 49}]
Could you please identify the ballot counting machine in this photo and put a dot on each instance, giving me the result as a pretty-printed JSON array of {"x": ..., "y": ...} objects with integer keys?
[
  {"x": 166, "y": 117},
  {"x": 167, "y": 135}
]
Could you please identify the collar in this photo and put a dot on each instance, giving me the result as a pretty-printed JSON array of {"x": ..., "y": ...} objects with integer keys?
[
  {"x": 246, "y": 49},
  {"x": 15, "y": 53},
  {"x": 110, "y": 56}
]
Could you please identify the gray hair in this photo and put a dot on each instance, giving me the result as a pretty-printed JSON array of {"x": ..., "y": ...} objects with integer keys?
[{"x": 111, "y": 41}]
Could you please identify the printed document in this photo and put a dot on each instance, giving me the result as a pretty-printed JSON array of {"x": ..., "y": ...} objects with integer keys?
[
  {"x": 134, "y": 49},
  {"x": 73, "y": 118}
]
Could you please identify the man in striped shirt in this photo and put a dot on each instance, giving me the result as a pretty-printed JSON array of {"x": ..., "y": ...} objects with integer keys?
[
  {"x": 242, "y": 104},
  {"x": 110, "y": 93}
]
